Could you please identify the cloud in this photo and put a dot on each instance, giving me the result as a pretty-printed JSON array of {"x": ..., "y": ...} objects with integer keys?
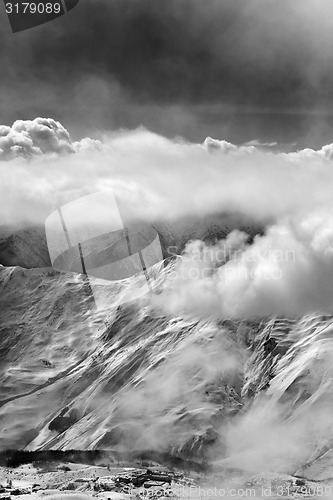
[
  {"x": 288, "y": 271},
  {"x": 47, "y": 168},
  {"x": 226, "y": 147},
  {"x": 263, "y": 440},
  {"x": 308, "y": 153},
  {"x": 170, "y": 409},
  {"x": 28, "y": 138},
  {"x": 187, "y": 51}
]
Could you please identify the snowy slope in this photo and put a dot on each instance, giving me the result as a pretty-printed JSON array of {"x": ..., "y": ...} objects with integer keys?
[
  {"x": 248, "y": 394},
  {"x": 74, "y": 378}
]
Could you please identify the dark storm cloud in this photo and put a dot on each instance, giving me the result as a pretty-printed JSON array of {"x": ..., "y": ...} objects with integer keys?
[
  {"x": 125, "y": 62},
  {"x": 241, "y": 51}
]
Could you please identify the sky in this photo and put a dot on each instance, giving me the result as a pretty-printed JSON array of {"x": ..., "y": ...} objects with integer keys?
[{"x": 238, "y": 70}]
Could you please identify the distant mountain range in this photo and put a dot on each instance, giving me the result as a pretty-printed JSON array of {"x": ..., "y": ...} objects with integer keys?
[{"x": 27, "y": 247}]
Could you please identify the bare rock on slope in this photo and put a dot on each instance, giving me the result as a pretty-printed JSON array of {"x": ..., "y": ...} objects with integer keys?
[{"x": 24, "y": 247}]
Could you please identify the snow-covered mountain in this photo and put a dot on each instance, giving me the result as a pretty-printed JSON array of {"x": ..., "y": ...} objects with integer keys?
[{"x": 242, "y": 394}]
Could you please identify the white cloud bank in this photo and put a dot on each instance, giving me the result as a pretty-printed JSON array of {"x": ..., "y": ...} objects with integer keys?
[
  {"x": 289, "y": 270},
  {"x": 162, "y": 177}
]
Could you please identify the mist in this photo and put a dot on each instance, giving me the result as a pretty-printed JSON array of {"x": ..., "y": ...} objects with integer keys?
[{"x": 44, "y": 168}]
